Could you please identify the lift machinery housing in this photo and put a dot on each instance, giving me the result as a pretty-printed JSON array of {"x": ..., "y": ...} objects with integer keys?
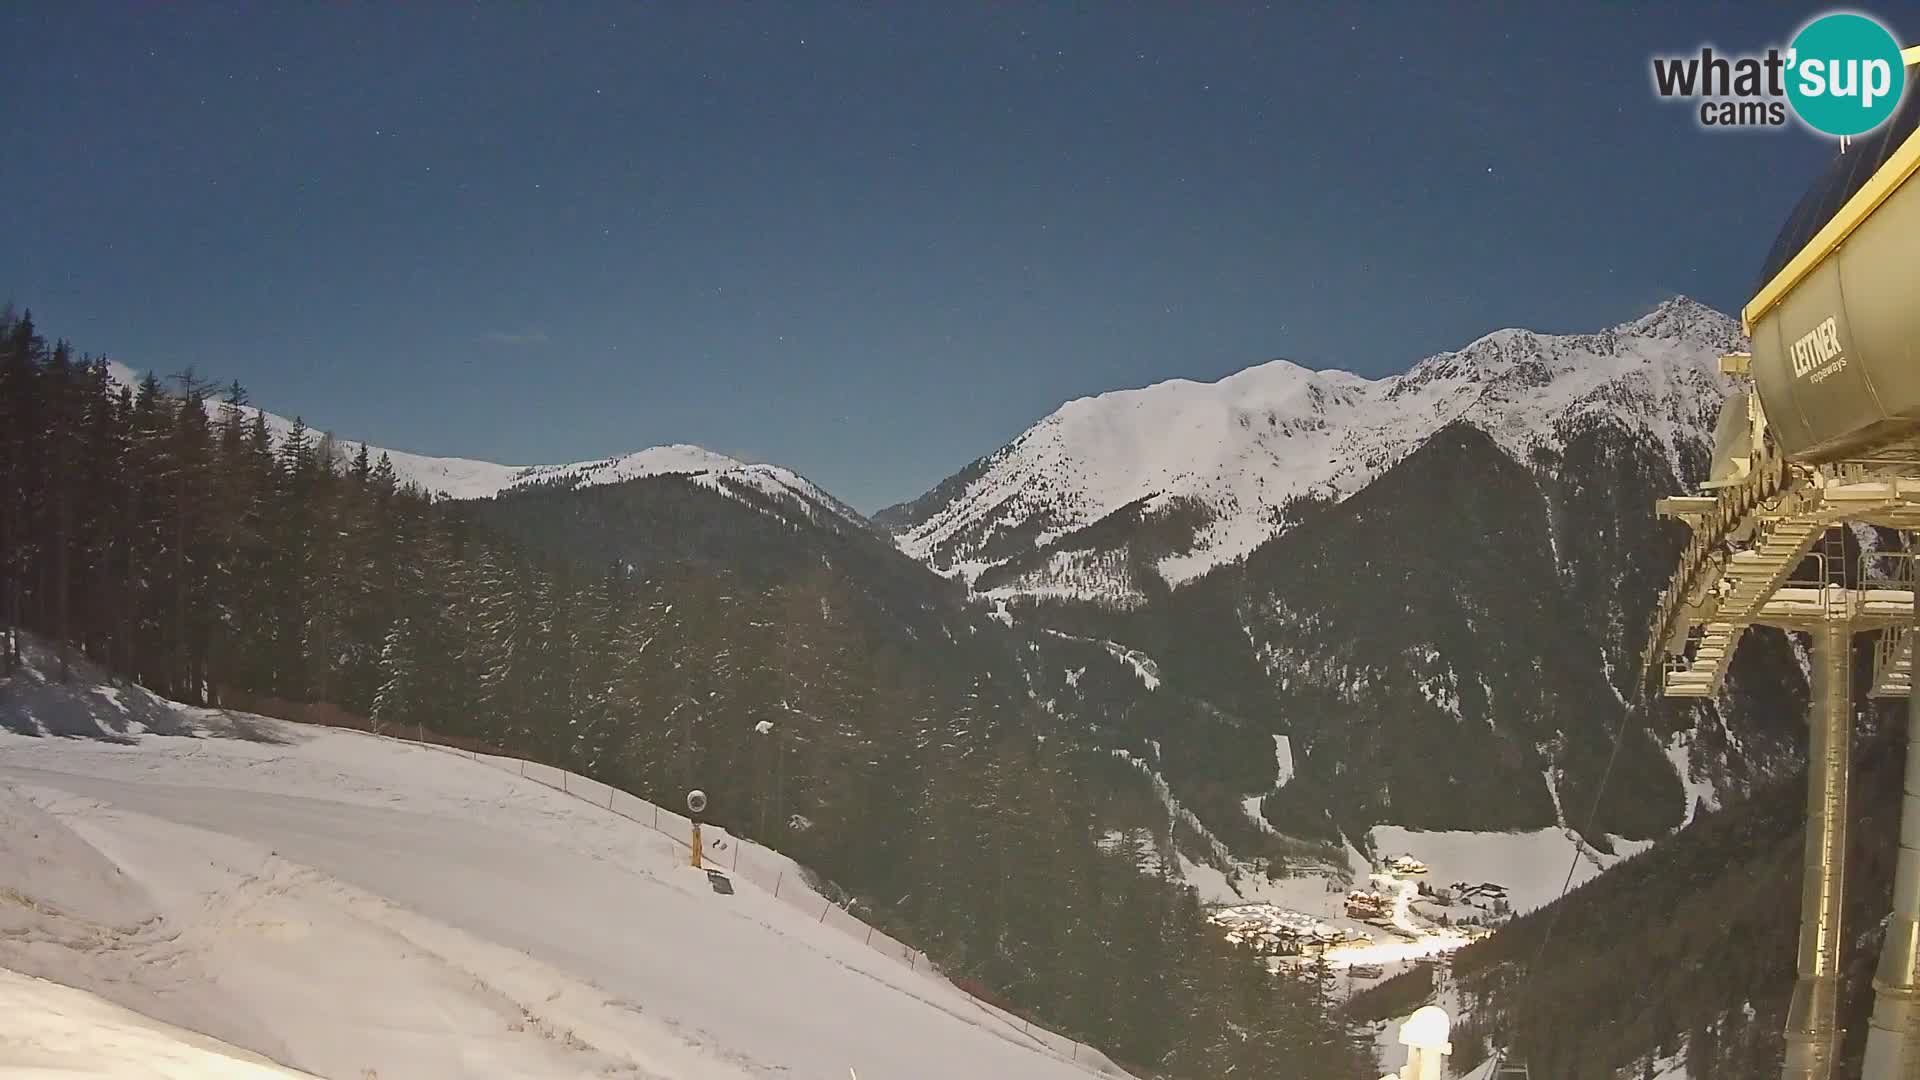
[{"x": 1826, "y": 435}]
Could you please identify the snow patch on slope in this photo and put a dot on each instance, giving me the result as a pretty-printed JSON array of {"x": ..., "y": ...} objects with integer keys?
[
  {"x": 1144, "y": 667},
  {"x": 1258, "y": 817},
  {"x": 47, "y": 1029},
  {"x": 1700, "y": 791},
  {"x": 1531, "y": 865}
]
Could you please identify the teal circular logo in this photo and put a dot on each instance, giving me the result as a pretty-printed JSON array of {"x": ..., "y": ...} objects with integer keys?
[{"x": 1844, "y": 74}]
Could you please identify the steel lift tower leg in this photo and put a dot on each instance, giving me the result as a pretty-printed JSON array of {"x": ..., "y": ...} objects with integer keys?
[
  {"x": 1889, "y": 1039},
  {"x": 1812, "y": 1033}
]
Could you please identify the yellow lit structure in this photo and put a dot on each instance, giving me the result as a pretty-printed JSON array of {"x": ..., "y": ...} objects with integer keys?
[{"x": 1825, "y": 434}]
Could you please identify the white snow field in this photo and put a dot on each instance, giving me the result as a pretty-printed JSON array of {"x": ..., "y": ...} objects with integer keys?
[
  {"x": 1531, "y": 865},
  {"x": 359, "y": 907},
  {"x": 61, "y": 1032}
]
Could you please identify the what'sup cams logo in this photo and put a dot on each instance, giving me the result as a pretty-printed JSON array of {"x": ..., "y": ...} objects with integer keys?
[{"x": 1842, "y": 76}]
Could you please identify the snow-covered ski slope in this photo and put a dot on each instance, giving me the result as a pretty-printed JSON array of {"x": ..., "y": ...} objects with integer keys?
[
  {"x": 1241, "y": 447},
  {"x": 60, "y": 1032},
  {"x": 355, "y": 906},
  {"x": 464, "y": 478}
]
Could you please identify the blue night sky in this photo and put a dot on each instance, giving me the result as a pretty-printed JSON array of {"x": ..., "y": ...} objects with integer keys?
[{"x": 870, "y": 243}]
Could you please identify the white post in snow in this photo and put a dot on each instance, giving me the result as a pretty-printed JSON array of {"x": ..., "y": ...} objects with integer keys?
[{"x": 1425, "y": 1036}]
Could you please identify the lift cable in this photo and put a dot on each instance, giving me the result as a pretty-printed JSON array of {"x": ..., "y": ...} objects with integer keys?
[{"x": 1566, "y": 886}]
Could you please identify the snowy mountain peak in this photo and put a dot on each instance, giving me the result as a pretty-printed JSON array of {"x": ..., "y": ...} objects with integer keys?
[
  {"x": 1226, "y": 458},
  {"x": 1684, "y": 319},
  {"x": 464, "y": 478},
  {"x": 654, "y": 460}
]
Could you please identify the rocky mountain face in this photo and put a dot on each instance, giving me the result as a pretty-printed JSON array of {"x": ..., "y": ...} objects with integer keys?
[
  {"x": 1111, "y": 496},
  {"x": 1432, "y": 585},
  {"x": 1429, "y": 587},
  {"x": 1453, "y": 648},
  {"x": 1428, "y": 590}
]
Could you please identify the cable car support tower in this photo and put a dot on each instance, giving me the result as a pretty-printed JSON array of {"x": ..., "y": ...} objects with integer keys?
[{"x": 1823, "y": 436}]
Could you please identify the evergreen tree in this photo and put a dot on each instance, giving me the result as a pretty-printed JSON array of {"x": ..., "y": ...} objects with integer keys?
[{"x": 395, "y": 702}]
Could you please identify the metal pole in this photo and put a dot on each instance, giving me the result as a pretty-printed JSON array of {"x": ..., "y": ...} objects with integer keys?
[
  {"x": 1894, "y": 989},
  {"x": 1812, "y": 1034},
  {"x": 1912, "y": 1047},
  {"x": 686, "y": 749}
]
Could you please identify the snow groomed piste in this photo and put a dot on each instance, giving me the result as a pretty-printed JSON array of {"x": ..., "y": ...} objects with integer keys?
[
  {"x": 1827, "y": 437},
  {"x": 353, "y": 905}
]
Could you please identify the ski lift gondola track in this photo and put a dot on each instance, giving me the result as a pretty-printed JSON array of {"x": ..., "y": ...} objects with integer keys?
[{"x": 1627, "y": 723}]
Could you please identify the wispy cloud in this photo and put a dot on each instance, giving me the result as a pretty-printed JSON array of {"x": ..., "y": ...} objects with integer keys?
[{"x": 507, "y": 337}]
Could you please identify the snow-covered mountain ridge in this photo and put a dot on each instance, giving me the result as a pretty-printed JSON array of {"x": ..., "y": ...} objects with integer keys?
[
  {"x": 1227, "y": 457},
  {"x": 464, "y": 478}
]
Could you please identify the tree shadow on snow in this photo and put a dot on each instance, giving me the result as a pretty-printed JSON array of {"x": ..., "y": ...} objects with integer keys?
[
  {"x": 92, "y": 705},
  {"x": 247, "y": 727}
]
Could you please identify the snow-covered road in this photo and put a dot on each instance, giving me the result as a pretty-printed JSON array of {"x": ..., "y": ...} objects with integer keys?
[{"x": 343, "y": 903}]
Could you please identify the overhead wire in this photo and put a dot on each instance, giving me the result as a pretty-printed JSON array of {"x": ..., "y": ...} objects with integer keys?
[{"x": 1573, "y": 866}]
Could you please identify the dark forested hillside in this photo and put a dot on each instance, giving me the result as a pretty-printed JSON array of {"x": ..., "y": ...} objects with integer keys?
[
  {"x": 1689, "y": 948},
  {"x": 660, "y": 523},
  {"x": 932, "y": 764},
  {"x": 1454, "y": 646}
]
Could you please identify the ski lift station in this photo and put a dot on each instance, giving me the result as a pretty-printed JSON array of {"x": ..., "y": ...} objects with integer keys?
[{"x": 1824, "y": 439}]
